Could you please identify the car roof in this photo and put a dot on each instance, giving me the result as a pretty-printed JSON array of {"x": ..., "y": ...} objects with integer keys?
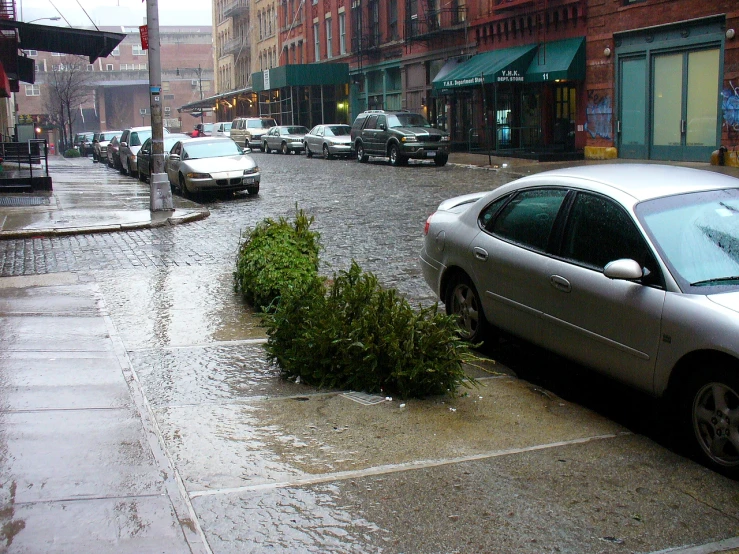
[
  {"x": 643, "y": 181},
  {"x": 202, "y": 140}
]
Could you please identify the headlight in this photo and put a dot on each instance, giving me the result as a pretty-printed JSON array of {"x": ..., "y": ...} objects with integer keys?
[
  {"x": 251, "y": 171},
  {"x": 445, "y": 138},
  {"x": 403, "y": 139},
  {"x": 193, "y": 175}
]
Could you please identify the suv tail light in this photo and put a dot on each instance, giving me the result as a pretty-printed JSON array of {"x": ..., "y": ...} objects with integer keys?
[{"x": 427, "y": 225}]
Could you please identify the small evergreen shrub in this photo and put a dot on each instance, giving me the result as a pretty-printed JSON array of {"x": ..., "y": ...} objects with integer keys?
[
  {"x": 276, "y": 256},
  {"x": 71, "y": 153},
  {"x": 356, "y": 335}
]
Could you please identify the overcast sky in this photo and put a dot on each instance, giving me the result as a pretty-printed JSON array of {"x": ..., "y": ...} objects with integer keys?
[{"x": 113, "y": 12}]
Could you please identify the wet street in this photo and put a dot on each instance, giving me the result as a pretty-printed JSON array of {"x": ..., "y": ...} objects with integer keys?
[{"x": 541, "y": 457}]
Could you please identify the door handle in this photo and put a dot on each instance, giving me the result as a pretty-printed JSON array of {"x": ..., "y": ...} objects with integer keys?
[
  {"x": 560, "y": 283},
  {"x": 683, "y": 126},
  {"x": 480, "y": 253}
]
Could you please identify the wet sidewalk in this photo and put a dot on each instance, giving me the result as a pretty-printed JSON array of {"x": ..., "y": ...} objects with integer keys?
[{"x": 118, "y": 203}]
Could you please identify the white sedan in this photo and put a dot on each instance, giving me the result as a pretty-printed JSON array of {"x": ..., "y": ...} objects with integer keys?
[
  {"x": 329, "y": 141},
  {"x": 211, "y": 164}
]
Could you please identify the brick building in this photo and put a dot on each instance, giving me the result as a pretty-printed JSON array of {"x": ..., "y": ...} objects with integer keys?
[{"x": 119, "y": 83}]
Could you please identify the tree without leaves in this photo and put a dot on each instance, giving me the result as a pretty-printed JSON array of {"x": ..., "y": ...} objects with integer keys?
[{"x": 69, "y": 88}]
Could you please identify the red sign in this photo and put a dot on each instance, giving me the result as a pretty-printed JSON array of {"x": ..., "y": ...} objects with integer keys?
[{"x": 144, "y": 32}]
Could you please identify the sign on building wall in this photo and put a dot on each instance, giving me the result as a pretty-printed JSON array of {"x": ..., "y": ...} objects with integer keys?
[{"x": 266, "y": 79}]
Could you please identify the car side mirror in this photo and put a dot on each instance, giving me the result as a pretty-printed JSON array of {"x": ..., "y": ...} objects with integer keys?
[
  {"x": 381, "y": 126},
  {"x": 123, "y": 144},
  {"x": 174, "y": 157},
  {"x": 623, "y": 270},
  {"x": 246, "y": 150}
]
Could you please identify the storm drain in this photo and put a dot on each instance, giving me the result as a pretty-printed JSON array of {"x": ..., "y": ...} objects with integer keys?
[
  {"x": 364, "y": 398},
  {"x": 24, "y": 201}
]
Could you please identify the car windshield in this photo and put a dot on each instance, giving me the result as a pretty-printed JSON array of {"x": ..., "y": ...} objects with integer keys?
[
  {"x": 407, "y": 120},
  {"x": 211, "y": 149},
  {"x": 698, "y": 236},
  {"x": 137, "y": 137},
  {"x": 293, "y": 130},
  {"x": 208, "y": 127},
  {"x": 338, "y": 130},
  {"x": 260, "y": 123}
]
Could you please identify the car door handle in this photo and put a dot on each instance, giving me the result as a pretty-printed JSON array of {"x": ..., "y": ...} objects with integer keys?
[
  {"x": 480, "y": 253},
  {"x": 560, "y": 283}
]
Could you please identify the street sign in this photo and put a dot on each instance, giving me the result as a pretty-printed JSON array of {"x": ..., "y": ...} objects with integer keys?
[{"x": 144, "y": 33}]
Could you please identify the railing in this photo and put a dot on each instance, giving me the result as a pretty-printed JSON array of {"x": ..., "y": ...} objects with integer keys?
[
  {"x": 511, "y": 138},
  {"x": 235, "y": 45},
  {"x": 236, "y": 8},
  {"x": 30, "y": 152},
  {"x": 432, "y": 22},
  {"x": 7, "y": 9}
]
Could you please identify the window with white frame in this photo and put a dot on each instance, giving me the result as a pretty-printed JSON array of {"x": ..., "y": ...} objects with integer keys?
[
  {"x": 167, "y": 110},
  {"x": 56, "y": 54},
  {"x": 116, "y": 51},
  {"x": 56, "y": 67},
  {"x": 142, "y": 66},
  {"x": 165, "y": 86},
  {"x": 33, "y": 90},
  {"x": 136, "y": 50},
  {"x": 329, "y": 37},
  {"x": 90, "y": 67},
  {"x": 342, "y": 33},
  {"x": 316, "y": 42},
  {"x": 31, "y": 53},
  {"x": 108, "y": 67},
  {"x": 39, "y": 67}
]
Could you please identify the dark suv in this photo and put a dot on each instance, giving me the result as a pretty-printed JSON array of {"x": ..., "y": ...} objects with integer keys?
[{"x": 398, "y": 135}]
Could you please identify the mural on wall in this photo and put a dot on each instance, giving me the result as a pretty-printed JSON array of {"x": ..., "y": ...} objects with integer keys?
[
  {"x": 599, "y": 112},
  {"x": 730, "y": 107}
]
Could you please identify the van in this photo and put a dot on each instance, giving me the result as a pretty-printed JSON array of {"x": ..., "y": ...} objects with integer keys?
[
  {"x": 222, "y": 129},
  {"x": 248, "y": 131}
]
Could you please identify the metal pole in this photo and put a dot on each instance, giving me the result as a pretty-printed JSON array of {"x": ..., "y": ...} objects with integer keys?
[
  {"x": 160, "y": 198},
  {"x": 200, "y": 82}
]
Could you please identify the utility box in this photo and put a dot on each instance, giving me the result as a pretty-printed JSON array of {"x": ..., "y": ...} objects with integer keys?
[{"x": 25, "y": 132}]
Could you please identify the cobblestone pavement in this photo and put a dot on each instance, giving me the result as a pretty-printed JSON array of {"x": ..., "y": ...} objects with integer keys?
[{"x": 373, "y": 213}]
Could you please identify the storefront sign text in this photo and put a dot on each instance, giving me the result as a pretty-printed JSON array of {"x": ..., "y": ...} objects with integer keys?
[
  {"x": 463, "y": 82},
  {"x": 510, "y": 76}
]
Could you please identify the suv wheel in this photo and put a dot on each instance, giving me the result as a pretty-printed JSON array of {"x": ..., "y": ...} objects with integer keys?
[
  {"x": 396, "y": 158},
  {"x": 441, "y": 159},
  {"x": 361, "y": 156}
]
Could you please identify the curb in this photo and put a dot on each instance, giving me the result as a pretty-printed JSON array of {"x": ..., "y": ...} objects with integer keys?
[{"x": 66, "y": 231}]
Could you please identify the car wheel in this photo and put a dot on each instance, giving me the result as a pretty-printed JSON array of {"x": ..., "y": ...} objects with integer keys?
[
  {"x": 265, "y": 148},
  {"x": 183, "y": 187},
  {"x": 361, "y": 156},
  {"x": 441, "y": 159},
  {"x": 709, "y": 410},
  {"x": 285, "y": 149},
  {"x": 308, "y": 152},
  {"x": 132, "y": 171},
  {"x": 463, "y": 303},
  {"x": 326, "y": 153},
  {"x": 94, "y": 158},
  {"x": 252, "y": 190},
  {"x": 396, "y": 158},
  {"x": 142, "y": 177},
  {"x": 122, "y": 170}
]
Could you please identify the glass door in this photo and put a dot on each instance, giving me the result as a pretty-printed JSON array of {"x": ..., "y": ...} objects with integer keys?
[
  {"x": 632, "y": 117},
  {"x": 685, "y": 105}
]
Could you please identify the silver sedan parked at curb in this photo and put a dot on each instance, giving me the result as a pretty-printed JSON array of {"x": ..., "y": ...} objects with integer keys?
[
  {"x": 630, "y": 269},
  {"x": 211, "y": 164},
  {"x": 329, "y": 141},
  {"x": 284, "y": 138}
]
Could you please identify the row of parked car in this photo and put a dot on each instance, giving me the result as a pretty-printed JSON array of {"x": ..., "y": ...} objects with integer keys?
[{"x": 192, "y": 165}]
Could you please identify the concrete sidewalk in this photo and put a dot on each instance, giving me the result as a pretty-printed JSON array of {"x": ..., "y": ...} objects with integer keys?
[{"x": 118, "y": 203}]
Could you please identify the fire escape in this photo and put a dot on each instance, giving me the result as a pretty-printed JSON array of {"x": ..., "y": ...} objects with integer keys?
[
  {"x": 435, "y": 23},
  {"x": 366, "y": 39}
]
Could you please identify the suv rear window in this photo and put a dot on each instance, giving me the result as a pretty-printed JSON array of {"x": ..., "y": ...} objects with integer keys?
[{"x": 260, "y": 123}]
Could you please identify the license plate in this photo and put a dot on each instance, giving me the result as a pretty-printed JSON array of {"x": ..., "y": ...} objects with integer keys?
[
  {"x": 248, "y": 180},
  {"x": 431, "y": 154}
]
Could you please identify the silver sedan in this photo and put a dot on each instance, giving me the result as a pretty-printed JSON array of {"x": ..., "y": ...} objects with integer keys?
[
  {"x": 329, "y": 140},
  {"x": 206, "y": 164},
  {"x": 284, "y": 138},
  {"x": 630, "y": 269}
]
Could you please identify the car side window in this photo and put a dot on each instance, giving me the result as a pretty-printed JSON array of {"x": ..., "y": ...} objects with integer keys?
[
  {"x": 599, "y": 231},
  {"x": 529, "y": 217},
  {"x": 382, "y": 122},
  {"x": 135, "y": 139},
  {"x": 371, "y": 122},
  {"x": 487, "y": 216}
]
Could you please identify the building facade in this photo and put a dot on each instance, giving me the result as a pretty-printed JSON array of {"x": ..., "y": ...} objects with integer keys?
[{"x": 118, "y": 85}]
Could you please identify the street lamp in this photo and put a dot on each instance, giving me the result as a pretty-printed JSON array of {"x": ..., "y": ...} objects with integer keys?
[
  {"x": 199, "y": 73},
  {"x": 55, "y": 18}
]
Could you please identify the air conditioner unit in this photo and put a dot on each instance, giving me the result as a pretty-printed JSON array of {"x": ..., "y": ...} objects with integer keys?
[
  {"x": 143, "y": 111},
  {"x": 194, "y": 83}
]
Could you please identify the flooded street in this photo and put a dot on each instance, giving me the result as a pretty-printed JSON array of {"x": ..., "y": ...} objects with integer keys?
[{"x": 527, "y": 465}]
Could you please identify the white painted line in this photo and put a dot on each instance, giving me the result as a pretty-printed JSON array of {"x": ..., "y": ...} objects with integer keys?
[
  {"x": 397, "y": 468},
  {"x": 720, "y": 546}
]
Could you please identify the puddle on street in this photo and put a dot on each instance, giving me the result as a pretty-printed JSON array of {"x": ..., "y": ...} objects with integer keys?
[{"x": 178, "y": 306}]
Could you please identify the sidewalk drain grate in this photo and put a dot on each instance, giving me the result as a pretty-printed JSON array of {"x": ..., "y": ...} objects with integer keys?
[
  {"x": 24, "y": 201},
  {"x": 364, "y": 398}
]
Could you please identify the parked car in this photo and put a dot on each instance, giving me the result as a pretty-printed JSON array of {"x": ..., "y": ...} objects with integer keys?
[
  {"x": 198, "y": 165},
  {"x": 114, "y": 146},
  {"x": 100, "y": 144},
  {"x": 250, "y": 130},
  {"x": 398, "y": 135},
  {"x": 130, "y": 143},
  {"x": 329, "y": 140},
  {"x": 284, "y": 139},
  {"x": 631, "y": 269},
  {"x": 222, "y": 129},
  {"x": 83, "y": 142},
  {"x": 143, "y": 158}
]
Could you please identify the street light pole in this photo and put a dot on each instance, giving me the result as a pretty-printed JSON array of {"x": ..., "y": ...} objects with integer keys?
[{"x": 160, "y": 196}]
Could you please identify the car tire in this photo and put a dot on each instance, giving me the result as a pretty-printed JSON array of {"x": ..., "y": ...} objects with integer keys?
[
  {"x": 183, "y": 187},
  {"x": 284, "y": 149},
  {"x": 463, "y": 303},
  {"x": 265, "y": 148},
  {"x": 132, "y": 171},
  {"x": 122, "y": 170},
  {"x": 361, "y": 156},
  {"x": 252, "y": 190},
  {"x": 396, "y": 158},
  {"x": 441, "y": 159},
  {"x": 706, "y": 406},
  {"x": 308, "y": 152},
  {"x": 326, "y": 153},
  {"x": 141, "y": 176}
]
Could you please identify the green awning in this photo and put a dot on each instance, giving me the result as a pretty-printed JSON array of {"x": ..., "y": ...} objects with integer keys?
[
  {"x": 558, "y": 60},
  {"x": 301, "y": 75},
  {"x": 507, "y": 65}
]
